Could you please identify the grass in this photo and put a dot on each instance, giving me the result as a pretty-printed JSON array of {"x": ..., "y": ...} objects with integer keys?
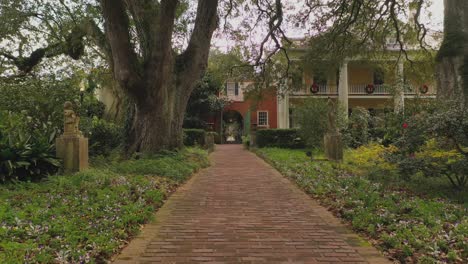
[
  {"x": 409, "y": 227},
  {"x": 89, "y": 216}
]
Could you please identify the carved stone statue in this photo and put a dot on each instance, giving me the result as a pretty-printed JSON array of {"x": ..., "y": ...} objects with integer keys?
[
  {"x": 71, "y": 120},
  {"x": 72, "y": 146}
]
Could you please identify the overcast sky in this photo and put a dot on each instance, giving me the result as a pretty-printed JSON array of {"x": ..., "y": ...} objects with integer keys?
[{"x": 437, "y": 10}]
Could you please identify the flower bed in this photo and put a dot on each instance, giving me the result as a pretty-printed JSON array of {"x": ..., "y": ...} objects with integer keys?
[
  {"x": 88, "y": 217},
  {"x": 408, "y": 227}
]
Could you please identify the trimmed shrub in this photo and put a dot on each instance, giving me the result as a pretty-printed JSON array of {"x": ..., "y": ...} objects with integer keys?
[
  {"x": 193, "y": 137},
  {"x": 279, "y": 138},
  {"x": 104, "y": 137}
]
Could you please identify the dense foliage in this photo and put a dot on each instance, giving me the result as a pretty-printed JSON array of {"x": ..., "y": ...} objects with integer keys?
[
  {"x": 280, "y": 138},
  {"x": 357, "y": 133},
  {"x": 203, "y": 103},
  {"x": 194, "y": 137},
  {"x": 104, "y": 136},
  {"x": 41, "y": 100},
  {"x": 311, "y": 116},
  {"x": 410, "y": 228},
  {"x": 88, "y": 217},
  {"x": 26, "y": 148},
  {"x": 32, "y": 116},
  {"x": 434, "y": 143}
]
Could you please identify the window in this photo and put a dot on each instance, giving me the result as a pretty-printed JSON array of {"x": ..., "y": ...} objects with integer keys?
[
  {"x": 378, "y": 77},
  {"x": 262, "y": 118},
  {"x": 232, "y": 88}
]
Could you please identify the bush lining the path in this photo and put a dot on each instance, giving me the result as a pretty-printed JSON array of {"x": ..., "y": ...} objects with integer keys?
[
  {"x": 89, "y": 216},
  {"x": 279, "y": 138},
  {"x": 410, "y": 228},
  {"x": 194, "y": 137}
]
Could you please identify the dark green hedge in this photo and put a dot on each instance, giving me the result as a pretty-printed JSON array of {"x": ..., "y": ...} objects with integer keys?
[
  {"x": 193, "y": 137},
  {"x": 279, "y": 138}
]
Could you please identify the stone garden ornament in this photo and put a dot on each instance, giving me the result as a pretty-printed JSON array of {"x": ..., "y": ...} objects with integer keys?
[{"x": 72, "y": 146}]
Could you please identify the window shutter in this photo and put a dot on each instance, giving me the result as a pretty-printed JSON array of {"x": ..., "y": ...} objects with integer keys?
[{"x": 236, "y": 89}]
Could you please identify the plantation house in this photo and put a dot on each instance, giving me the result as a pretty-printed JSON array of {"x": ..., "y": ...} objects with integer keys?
[{"x": 377, "y": 85}]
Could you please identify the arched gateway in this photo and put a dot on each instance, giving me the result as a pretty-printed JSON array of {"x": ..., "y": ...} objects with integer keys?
[{"x": 233, "y": 127}]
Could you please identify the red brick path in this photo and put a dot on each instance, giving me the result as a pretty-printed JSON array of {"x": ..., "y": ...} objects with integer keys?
[{"x": 240, "y": 210}]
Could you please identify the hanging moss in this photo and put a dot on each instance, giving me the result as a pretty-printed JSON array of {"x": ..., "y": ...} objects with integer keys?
[
  {"x": 26, "y": 64},
  {"x": 75, "y": 45}
]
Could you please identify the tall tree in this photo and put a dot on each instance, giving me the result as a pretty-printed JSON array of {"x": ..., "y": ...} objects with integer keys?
[
  {"x": 452, "y": 67},
  {"x": 159, "y": 82},
  {"x": 137, "y": 43}
]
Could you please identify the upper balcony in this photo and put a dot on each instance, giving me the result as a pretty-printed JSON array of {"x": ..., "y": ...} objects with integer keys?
[{"x": 360, "y": 90}]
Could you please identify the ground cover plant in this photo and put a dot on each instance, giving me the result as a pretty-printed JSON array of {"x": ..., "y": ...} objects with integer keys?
[
  {"x": 89, "y": 216},
  {"x": 409, "y": 226}
]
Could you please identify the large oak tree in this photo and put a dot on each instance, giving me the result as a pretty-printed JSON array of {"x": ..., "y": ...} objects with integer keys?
[
  {"x": 159, "y": 82},
  {"x": 135, "y": 37}
]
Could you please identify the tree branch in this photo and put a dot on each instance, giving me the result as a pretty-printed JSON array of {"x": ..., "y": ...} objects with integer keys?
[
  {"x": 193, "y": 61},
  {"x": 144, "y": 13},
  {"x": 125, "y": 61}
]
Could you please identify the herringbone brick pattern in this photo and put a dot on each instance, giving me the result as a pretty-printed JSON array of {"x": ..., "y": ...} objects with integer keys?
[{"x": 240, "y": 210}]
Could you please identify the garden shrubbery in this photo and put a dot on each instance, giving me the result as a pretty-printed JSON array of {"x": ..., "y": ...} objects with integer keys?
[
  {"x": 88, "y": 217},
  {"x": 194, "y": 137},
  {"x": 357, "y": 133},
  {"x": 312, "y": 117},
  {"x": 280, "y": 138},
  {"x": 434, "y": 143},
  {"x": 410, "y": 228},
  {"x": 26, "y": 148},
  {"x": 31, "y": 112},
  {"x": 104, "y": 137}
]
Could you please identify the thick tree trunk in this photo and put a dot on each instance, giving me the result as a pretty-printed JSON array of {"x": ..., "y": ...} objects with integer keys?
[
  {"x": 159, "y": 81},
  {"x": 157, "y": 122},
  {"x": 451, "y": 78}
]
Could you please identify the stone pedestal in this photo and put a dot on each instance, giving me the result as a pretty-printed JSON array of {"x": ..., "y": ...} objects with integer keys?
[
  {"x": 253, "y": 136},
  {"x": 209, "y": 141},
  {"x": 72, "y": 148},
  {"x": 333, "y": 146}
]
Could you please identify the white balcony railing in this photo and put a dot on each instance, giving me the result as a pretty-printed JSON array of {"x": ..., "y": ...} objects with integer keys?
[
  {"x": 322, "y": 90},
  {"x": 360, "y": 90},
  {"x": 387, "y": 90}
]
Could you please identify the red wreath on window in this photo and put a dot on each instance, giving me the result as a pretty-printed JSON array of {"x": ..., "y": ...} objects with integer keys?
[
  {"x": 424, "y": 89},
  {"x": 314, "y": 88},
  {"x": 370, "y": 88}
]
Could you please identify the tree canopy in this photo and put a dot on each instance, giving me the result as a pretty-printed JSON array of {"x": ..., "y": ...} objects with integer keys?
[{"x": 156, "y": 51}]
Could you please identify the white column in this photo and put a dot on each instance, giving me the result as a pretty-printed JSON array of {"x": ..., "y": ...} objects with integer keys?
[
  {"x": 283, "y": 110},
  {"x": 343, "y": 86},
  {"x": 399, "y": 97}
]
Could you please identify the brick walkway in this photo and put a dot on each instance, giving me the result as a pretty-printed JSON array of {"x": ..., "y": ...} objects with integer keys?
[{"x": 241, "y": 210}]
